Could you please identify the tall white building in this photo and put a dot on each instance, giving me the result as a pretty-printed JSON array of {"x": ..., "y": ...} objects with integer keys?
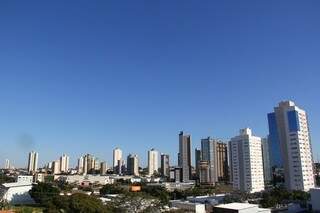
[
  {"x": 33, "y": 162},
  {"x": 133, "y": 165},
  {"x": 117, "y": 156},
  {"x": 153, "y": 156},
  {"x": 80, "y": 165},
  {"x": 246, "y": 162},
  {"x": 64, "y": 163},
  {"x": 289, "y": 134},
  {"x": 56, "y": 167},
  {"x": 7, "y": 164}
]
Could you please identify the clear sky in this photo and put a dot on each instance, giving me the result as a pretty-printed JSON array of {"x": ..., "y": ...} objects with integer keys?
[{"x": 87, "y": 76}]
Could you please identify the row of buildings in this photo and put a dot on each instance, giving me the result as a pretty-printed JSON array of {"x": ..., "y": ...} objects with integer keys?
[{"x": 246, "y": 161}]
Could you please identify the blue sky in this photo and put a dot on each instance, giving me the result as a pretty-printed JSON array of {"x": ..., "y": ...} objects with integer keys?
[{"x": 86, "y": 76}]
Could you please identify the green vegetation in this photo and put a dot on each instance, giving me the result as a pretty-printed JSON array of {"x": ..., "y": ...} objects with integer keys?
[
  {"x": 6, "y": 179},
  {"x": 112, "y": 189}
]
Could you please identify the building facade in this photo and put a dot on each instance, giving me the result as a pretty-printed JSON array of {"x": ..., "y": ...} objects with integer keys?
[
  {"x": 153, "y": 156},
  {"x": 184, "y": 159},
  {"x": 33, "y": 162},
  {"x": 290, "y": 145},
  {"x": 64, "y": 163},
  {"x": 266, "y": 160},
  {"x": 165, "y": 165},
  {"x": 117, "y": 156},
  {"x": 133, "y": 165},
  {"x": 246, "y": 162}
]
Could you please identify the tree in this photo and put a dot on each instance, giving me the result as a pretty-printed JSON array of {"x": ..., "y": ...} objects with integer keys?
[
  {"x": 111, "y": 189},
  {"x": 43, "y": 193},
  {"x": 82, "y": 203}
]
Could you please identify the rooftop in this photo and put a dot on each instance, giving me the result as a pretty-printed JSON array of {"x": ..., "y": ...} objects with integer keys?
[{"x": 237, "y": 206}]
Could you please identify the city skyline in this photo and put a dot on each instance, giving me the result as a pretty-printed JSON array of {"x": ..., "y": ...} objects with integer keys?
[{"x": 133, "y": 75}]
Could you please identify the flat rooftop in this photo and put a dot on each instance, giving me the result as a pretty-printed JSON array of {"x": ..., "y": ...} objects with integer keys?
[{"x": 237, "y": 206}]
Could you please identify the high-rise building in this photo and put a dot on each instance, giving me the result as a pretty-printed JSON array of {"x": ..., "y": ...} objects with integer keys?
[
  {"x": 197, "y": 154},
  {"x": 56, "y": 167},
  {"x": 184, "y": 159},
  {"x": 64, "y": 163},
  {"x": 165, "y": 166},
  {"x": 133, "y": 165},
  {"x": 215, "y": 152},
  {"x": 208, "y": 151},
  {"x": 290, "y": 145},
  {"x": 153, "y": 156},
  {"x": 103, "y": 168},
  {"x": 80, "y": 165},
  {"x": 204, "y": 173},
  {"x": 266, "y": 160},
  {"x": 33, "y": 162},
  {"x": 246, "y": 162},
  {"x": 7, "y": 164},
  {"x": 117, "y": 156}
]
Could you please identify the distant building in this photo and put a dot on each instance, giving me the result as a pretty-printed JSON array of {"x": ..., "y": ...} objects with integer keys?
[
  {"x": 117, "y": 156},
  {"x": 178, "y": 174},
  {"x": 165, "y": 165},
  {"x": 64, "y": 163},
  {"x": 197, "y": 154},
  {"x": 315, "y": 195},
  {"x": 7, "y": 164},
  {"x": 85, "y": 180},
  {"x": 33, "y": 162},
  {"x": 80, "y": 165},
  {"x": 266, "y": 160},
  {"x": 103, "y": 168},
  {"x": 153, "y": 156},
  {"x": 56, "y": 167},
  {"x": 246, "y": 162},
  {"x": 188, "y": 206},
  {"x": 133, "y": 165},
  {"x": 204, "y": 172},
  {"x": 215, "y": 153},
  {"x": 185, "y": 156},
  {"x": 290, "y": 145}
]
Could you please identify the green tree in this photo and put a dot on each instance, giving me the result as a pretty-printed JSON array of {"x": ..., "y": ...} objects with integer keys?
[
  {"x": 43, "y": 193},
  {"x": 112, "y": 189}
]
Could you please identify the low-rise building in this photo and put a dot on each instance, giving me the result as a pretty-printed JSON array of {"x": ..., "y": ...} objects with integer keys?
[
  {"x": 188, "y": 206},
  {"x": 239, "y": 208},
  {"x": 85, "y": 180}
]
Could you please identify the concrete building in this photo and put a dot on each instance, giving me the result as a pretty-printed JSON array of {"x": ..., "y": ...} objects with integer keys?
[
  {"x": 64, "y": 163},
  {"x": 184, "y": 159},
  {"x": 117, "y": 156},
  {"x": 153, "y": 167},
  {"x": 17, "y": 192},
  {"x": 197, "y": 154},
  {"x": 188, "y": 206},
  {"x": 290, "y": 145},
  {"x": 56, "y": 167},
  {"x": 133, "y": 165},
  {"x": 239, "y": 208},
  {"x": 7, "y": 164},
  {"x": 33, "y": 162},
  {"x": 315, "y": 195},
  {"x": 85, "y": 180},
  {"x": 204, "y": 172},
  {"x": 215, "y": 152},
  {"x": 80, "y": 165},
  {"x": 103, "y": 168},
  {"x": 165, "y": 165},
  {"x": 246, "y": 162},
  {"x": 266, "y": 160}
]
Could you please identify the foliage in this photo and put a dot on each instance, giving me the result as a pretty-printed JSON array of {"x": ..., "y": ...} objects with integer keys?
[
  {"x": 157, "y": 191},
  {"x": 43, "y": 193},
  {"x": 6, "y": 179},
  {"x": 112, "y": 189},
  {"x": 236, "y": 196}
]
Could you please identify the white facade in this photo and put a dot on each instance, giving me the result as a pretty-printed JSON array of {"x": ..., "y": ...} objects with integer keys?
[
  {"x": 56, "y": 167},
  {"x": 7, "y": 164},
  {"x": 84, "y": 179},
  {"x": 117, "y": 156},
  {"x": 80, "y": 165},
  {"x": 240, "y": 207},
  {"x": 153, "y": 156},
  {"x": 246, "y": 162},
  {"x": 64, "y": 163},
  {"x": 295, "y": 146},
  {"x": 33, "y": 161}
]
